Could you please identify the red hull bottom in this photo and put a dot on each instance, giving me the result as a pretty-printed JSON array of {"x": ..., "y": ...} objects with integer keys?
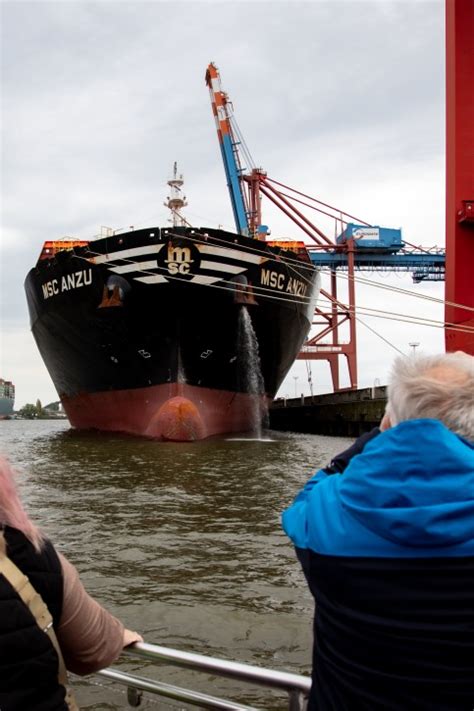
[{"x": 172, "y": 411}]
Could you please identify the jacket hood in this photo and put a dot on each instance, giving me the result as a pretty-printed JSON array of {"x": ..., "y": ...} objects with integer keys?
[{"x": 413, "y": 485}]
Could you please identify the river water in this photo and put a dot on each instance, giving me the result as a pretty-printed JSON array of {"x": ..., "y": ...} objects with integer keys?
[{"x": 181, "y": 541}]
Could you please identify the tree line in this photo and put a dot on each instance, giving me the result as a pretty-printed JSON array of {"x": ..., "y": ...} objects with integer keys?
[{"x": 37, "y": 411}]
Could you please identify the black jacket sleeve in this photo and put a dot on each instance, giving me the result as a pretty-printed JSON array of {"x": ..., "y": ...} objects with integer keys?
[{"x": 340, "y": 462}]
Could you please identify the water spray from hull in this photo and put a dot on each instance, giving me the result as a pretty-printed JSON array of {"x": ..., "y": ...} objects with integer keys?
[{"x": 250, "y": 372}]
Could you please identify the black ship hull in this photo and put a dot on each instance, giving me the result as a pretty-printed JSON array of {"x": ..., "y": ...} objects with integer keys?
[{"x": 159, "y": 332}]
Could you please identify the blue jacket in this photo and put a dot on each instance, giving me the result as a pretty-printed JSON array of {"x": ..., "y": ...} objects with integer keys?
[
  {"x": 410, "y": 493},
  {"x": 387, "y": 548}
]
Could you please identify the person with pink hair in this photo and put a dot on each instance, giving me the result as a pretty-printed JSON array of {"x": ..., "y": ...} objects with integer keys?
[{"x": 89, "y": 637}]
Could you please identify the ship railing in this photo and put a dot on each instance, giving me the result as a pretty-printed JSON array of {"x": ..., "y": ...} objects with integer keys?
[{"x": 295, "y": 686}]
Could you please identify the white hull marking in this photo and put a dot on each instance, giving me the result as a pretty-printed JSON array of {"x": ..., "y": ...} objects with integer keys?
[
  {"x": 202, "y": 279},
  {"x": 152, "y": 279},
  {"x": 126, "y": 253},
  {"x": 229, "y": 253},
  {"x": 219, "y": 267},
  {"x": 134, "y": 267}
]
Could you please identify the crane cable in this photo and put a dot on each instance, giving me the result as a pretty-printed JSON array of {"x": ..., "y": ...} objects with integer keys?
[
  {"x": 367, "y": 311},
  {"x": 335, "y": 209},
  {"x": 392, "y": 345},
  {"x": 362, "y": 280},
  {"x": 381, "y": 313},
  {"x": 339, "y": 274},
  {"x": 263, "y": 291}
]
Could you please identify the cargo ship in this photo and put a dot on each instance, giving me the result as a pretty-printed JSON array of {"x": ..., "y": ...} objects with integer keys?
[
  {"x": 7, "y": 399},
  {"x": 172, "y": 333}
]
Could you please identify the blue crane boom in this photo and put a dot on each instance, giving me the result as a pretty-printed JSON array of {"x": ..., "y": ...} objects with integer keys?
[
  {"x": 229, "y": 149},
  {"x": 382, "y": 249}
]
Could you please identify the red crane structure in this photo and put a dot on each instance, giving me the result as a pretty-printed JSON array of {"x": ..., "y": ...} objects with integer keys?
[{"x": 459, "y": 308}]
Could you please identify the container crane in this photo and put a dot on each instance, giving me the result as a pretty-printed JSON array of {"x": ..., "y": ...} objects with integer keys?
[
  {"x": 221, "y": 108},
  {"x": 243, "y": 188},
  {"x": 358, "y": 245}
]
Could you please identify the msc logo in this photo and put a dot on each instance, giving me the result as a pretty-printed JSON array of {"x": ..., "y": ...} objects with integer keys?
[{"x": 179, "y": 259}]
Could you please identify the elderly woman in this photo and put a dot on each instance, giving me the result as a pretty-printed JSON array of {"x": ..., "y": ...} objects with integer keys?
[{"x": 89, "y": 637}]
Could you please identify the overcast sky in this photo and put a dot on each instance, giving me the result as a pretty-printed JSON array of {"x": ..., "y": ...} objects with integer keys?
[{"x": 341, "y": 100}]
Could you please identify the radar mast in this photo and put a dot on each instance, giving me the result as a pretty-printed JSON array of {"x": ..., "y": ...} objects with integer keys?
[{"x": 176, "y": 200}]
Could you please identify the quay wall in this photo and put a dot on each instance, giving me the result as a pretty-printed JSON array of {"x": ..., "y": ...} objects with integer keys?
[{"x": 346, "y": 413}]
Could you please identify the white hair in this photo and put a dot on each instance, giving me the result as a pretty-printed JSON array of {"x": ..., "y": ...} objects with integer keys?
[{"x": 439, "y": 387}]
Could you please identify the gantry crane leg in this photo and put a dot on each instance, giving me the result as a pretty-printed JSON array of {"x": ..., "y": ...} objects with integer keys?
[{"x": 459, "y": 176}]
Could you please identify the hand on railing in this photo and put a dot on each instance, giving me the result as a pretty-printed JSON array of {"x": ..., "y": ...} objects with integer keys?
[{"x": 130, "y": 637}]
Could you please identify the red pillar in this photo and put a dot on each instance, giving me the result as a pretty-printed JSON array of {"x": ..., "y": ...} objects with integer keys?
[{"x": 459, "y": 174}]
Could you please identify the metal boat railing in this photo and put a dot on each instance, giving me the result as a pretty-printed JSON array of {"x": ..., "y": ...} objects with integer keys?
[{"x": 296, "y": 687}]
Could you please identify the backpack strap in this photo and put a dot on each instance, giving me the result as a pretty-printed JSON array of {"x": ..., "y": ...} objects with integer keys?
[{"x": 38, "y": 609}]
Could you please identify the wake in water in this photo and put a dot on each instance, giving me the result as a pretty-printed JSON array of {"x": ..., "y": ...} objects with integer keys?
[
  {"x": 250, "y": 372},
  {"x": 250, "y": 439}
]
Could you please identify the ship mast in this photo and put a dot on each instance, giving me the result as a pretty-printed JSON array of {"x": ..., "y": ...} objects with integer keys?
[{"x": 176, "y": 201}]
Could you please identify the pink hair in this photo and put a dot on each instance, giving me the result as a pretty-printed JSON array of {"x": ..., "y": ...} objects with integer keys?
[{"x": 12, "y": 512}]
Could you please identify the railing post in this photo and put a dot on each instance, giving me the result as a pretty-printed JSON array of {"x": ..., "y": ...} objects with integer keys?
[
  {"x": 297, "y": 701},
  {"x": 134, "y": 696}
]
